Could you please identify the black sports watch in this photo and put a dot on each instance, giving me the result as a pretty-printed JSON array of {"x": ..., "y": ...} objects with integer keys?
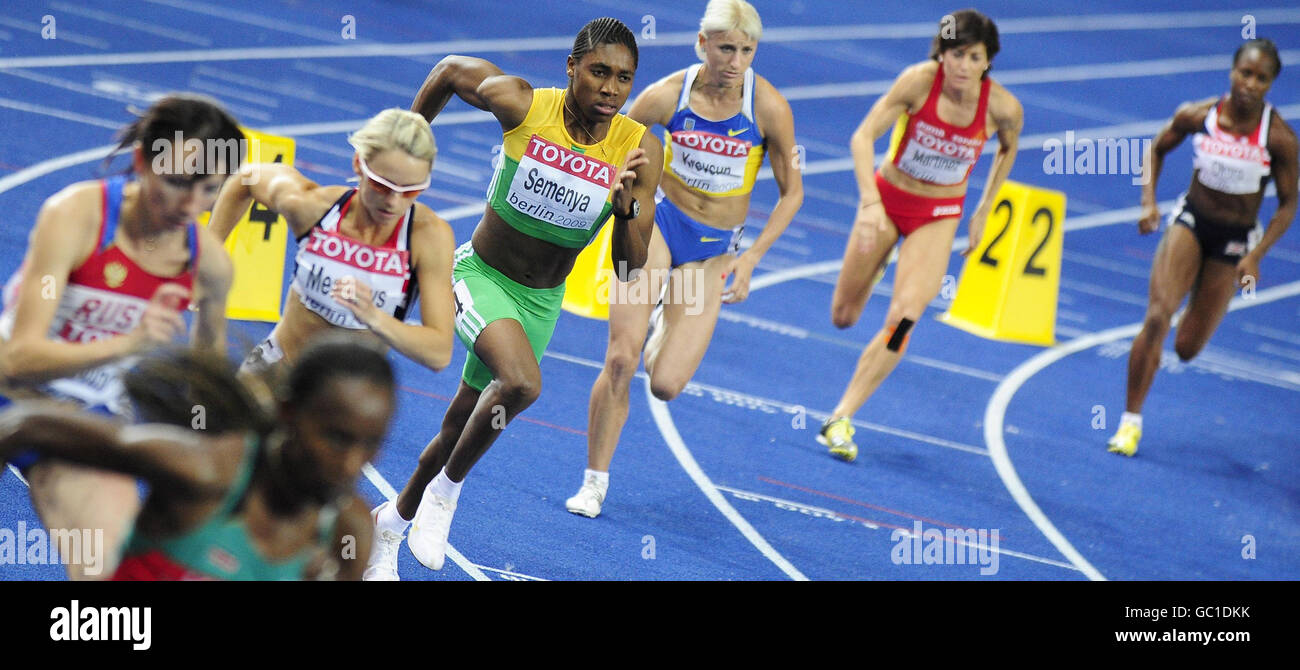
[{"x": 632, "y": 212}]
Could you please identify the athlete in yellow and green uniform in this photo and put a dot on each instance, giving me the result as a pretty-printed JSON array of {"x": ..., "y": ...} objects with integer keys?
[{"x": 571, "y": 162}]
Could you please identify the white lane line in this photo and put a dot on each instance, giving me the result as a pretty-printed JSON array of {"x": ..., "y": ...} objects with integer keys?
[
  {"x": 18, "y": 474},
  {"x": 58, "y": 113},
  {"x": 1043, "y": 75},
  {"x": 283, "y": 88},
  {"x": 1266, "y": 348},
  {"x": 365, "y": 81},
  {"x": 734, "y": 316},
  {"x": 995, "y": 415},
  {"x": 57, "y": 163},
  {"x": 675, "y": 443},
  {"x": 1105, "y": 263},
  {"x": 391, "y": 494},
  {"x": 565, "y": 43},
  {"x": 141, "y": 26},
  {"x": 1271, "y": 333},
  {"x": 790, "y": 505},
  {"x": 1138, "y": 129},
  {"x": 823, "y": 513},
  {"x": 744, "y": 400},
  {"x": 1218, "y": 361},
  {"x": 512, "y": 576},
  {"x": 349, "y": 125},
  {"x": 250, "y": 19},
  {"x": 1280, "y": 253},
  {"x": 62, "y": 34},
  {"x": 232, "y": 93},
  {"x": 1103, "y": 292},
  {"x": 119, "y": 89}
]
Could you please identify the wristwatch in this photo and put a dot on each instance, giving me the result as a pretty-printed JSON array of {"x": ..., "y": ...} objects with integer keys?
[{"x": 632, "y": 212}]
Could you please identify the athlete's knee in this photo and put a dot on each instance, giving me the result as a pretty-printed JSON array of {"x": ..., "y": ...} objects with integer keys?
[
  {"x": 518, "y": 392},
  {"x": 666, "y": 387},
  {"x": 843, "y": 316},
  {"x": 620, "y": 365},
  {"x": 1157, "y": 319},
  {"x": 845, "y": 313},
  {"x": 1187, "y": 347}
]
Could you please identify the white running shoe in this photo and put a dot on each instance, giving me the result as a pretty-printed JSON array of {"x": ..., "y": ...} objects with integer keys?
[
  {"x": 429, "y": 529},
  {"x": 382, "y": 565},
  {"x": 588, "y": 499}
]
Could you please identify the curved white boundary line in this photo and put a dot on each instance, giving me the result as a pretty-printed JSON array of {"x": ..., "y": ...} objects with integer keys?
[
  {"x": 390, "y": 493},
  {"x": 1002, "y": 394},
  {"x": 659, "y": 409},
  {"x": 995, "y": 414}
]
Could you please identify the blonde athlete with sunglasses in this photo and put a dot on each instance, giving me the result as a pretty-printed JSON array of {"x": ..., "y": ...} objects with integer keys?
[{"x": 365, "y": 255}]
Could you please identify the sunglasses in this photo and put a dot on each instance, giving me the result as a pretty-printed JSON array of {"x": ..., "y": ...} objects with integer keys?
[{"x": 384, "y": 187}]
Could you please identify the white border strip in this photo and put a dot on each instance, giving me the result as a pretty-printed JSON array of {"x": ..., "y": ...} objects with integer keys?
[
  {"x": 668, "y": 429},
  {"x": 391, "y": 494},
  {"x": 995, "y": 415}
]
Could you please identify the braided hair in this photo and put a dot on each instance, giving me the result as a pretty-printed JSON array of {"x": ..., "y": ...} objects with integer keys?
[{"x": 604, "y": 30}]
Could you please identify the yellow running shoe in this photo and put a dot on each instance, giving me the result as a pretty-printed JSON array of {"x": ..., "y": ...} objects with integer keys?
[
  {"x": 838, "y": 435},
  {"x": 1125, "y": 440}
]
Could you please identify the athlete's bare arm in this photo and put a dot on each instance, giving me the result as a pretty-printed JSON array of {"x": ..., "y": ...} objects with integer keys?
[
  {"x": 215, "y": 273},
  {"x": 638, "y": 178},
  {"x": 1282, "y": 152},
  {"x": 429, "y": 343},
  {"x": 278, "y": 186},
  {"x": 477, "y": 82},
  {"x": 906, "y": 94},
  {"x": 776, "y": 124},
  {"x": 171, "y": 458},
  {"x": 1009, "y": 119},
  {"x": 65, "y": 235},
  {"x": 1186, "y": 120},
  {"x": 352, "y": 538}
]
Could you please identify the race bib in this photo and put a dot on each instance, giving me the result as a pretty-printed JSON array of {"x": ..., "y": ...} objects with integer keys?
[
  {"x": 708, "y": 162},
  {"x": 933, "y": 157},
  {"x": 560, "y": 186}
]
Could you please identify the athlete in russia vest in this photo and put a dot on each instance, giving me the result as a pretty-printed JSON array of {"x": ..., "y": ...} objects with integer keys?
[
  {"x": 550, "y": 187},
  {"x": 105, "y": 297},
  {"x": 326, "y": 255},
  {"x": 714, "y": 158}
]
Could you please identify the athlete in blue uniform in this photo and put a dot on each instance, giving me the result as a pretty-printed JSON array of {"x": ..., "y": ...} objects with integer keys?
[{"x": 720, "y": 118}]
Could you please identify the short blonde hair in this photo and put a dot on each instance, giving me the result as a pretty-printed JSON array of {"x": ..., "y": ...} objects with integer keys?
[
  {"x": 722, "y": 16},
  {"x": 395, "y": 128}
]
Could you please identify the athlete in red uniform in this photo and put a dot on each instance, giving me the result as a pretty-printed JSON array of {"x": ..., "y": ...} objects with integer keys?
[
  {"x": 110, "y": 267},
  {"x": 251, "y": 497},
  {"x": 1212, "y": 244},
  {"x": 949, "y": 107}
]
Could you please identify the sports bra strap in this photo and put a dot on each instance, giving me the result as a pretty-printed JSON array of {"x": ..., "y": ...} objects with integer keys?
[
  {"x": 112, "y": 210},
  {"x": 684, "y": 100}
]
